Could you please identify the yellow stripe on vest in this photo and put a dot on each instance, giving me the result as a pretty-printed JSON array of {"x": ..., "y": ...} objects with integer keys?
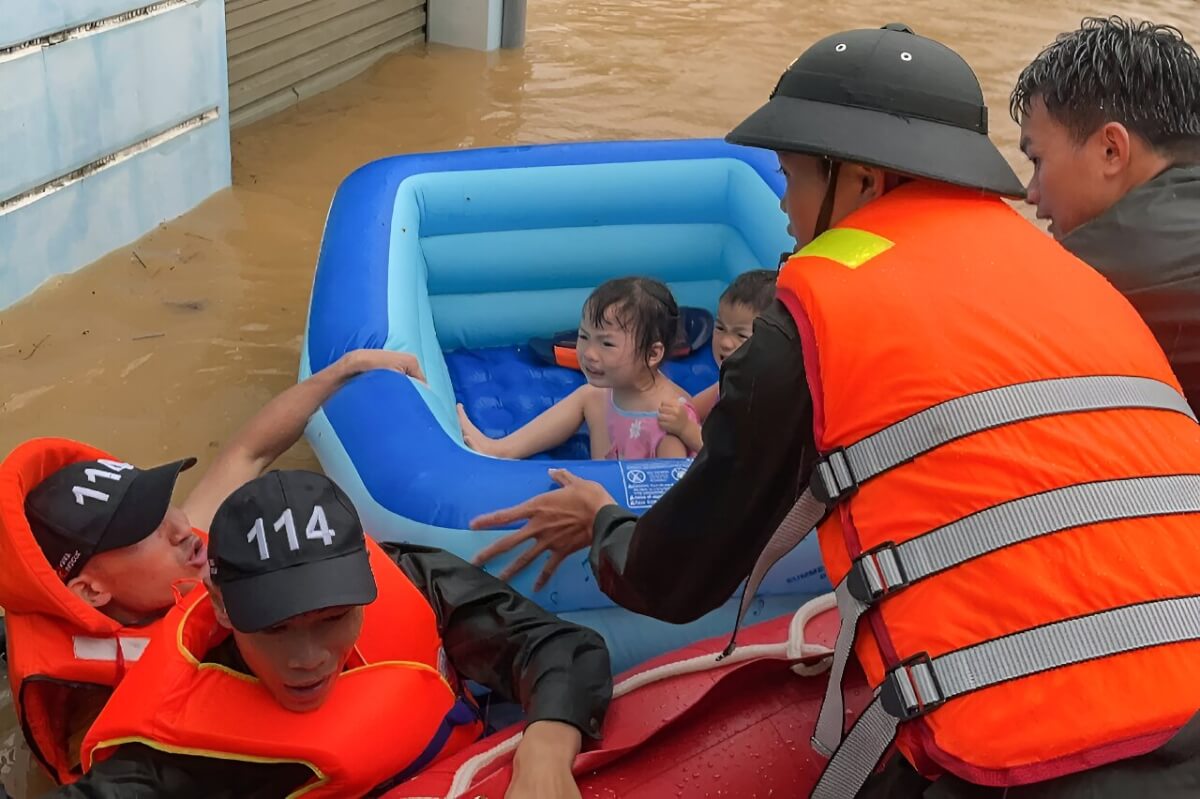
[
  {"x": 847, "y": 246},
  {"x": 319, "y": 780}
]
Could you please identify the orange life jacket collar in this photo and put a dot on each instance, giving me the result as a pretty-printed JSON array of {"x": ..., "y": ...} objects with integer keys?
[
  {"x": 386, "y": 718},
  {"x": 57, "y": 643}
]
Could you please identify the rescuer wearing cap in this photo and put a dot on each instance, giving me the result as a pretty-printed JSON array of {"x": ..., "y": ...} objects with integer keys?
[
  {"x": 94, "y": 551},
  {"x": 318, "y": 663}
]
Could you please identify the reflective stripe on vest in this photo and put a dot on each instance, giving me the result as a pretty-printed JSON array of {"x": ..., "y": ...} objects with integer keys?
[
  {"x": 923, "y": 684},
  {"x": 839, "y": 474},
  {"x": 87, "y": 648},
  {"x": 887, "y": 570},
  {"x": 953, "y": 353}
]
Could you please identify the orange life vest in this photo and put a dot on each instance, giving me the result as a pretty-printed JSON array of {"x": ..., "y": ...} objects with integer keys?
[
  {"x": 908, "y": 311},
  {"x": 392, "y": 712},
  {"x": 61, "y": 651}
]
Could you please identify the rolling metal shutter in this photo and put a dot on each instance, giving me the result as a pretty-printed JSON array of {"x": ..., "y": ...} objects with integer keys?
[{"x": 281, "y": 51}]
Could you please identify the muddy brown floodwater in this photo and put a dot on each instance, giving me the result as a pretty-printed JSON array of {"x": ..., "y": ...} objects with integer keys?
[{"x": 162, "y": 348}]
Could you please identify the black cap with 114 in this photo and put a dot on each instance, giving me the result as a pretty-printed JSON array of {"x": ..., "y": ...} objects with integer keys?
[
  {"x": 90, "y": 507},
  {"x": 288, "y": 543}
]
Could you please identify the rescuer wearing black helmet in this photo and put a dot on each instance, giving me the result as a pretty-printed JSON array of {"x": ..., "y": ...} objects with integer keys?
[
  {"x": 936, "y": 386},
  {"x": 886, "y": 99}
]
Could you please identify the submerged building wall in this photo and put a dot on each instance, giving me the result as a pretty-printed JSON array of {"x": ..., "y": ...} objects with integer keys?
[
  {"x": 113, "y": 119},
  {"x": 115, "y": 114}
]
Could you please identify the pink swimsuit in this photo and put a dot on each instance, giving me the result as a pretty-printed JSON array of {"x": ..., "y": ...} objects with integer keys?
[{"x": 635, "y": 435}]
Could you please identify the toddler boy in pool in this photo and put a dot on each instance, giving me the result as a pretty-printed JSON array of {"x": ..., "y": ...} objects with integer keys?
[{"x": 743, "y": 300}]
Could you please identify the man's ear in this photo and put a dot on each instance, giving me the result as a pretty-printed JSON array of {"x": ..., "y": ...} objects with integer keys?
[
  {"x": 860, "y": 184},
  {"x": 219, "y": 606},
  {"x": 1116, "y": 142},
  {"x": 872, "y": 182},
  {"x": 91, "y": 590}
]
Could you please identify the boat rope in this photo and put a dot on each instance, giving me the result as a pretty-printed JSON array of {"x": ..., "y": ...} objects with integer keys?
[{"x": 794, "y": 648}]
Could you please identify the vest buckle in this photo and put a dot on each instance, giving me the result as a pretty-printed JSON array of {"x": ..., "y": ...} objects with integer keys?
[
  {"x": 832, "y": 479},
  {"x": 911, "y": 689},
  {"x": 875, "y": 574}
]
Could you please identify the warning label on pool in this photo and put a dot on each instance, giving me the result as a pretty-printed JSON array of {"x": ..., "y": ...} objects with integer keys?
[{"x": 646, "y": 481}]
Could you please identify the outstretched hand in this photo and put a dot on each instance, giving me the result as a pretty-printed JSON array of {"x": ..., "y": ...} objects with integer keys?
[{"x": 558, "y": 521}]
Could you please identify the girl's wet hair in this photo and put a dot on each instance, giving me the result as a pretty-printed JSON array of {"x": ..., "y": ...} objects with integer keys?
[{"x": 642, "y": 306}]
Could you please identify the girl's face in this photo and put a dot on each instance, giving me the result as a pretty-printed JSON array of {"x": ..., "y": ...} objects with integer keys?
[{"x": 608, "y": 355}]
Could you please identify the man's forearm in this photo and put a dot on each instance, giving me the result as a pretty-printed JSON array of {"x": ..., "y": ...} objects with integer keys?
[
  {"x": 548, "y": 745},
  {"x": 281, "y": 422},
  {"x": 262, "y": 439},
  {"x": 278, "y": 426},
  {"x": 552, "y": 740}
]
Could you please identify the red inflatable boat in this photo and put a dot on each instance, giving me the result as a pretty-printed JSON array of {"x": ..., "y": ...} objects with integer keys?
[{"x": 686, "y": 724}]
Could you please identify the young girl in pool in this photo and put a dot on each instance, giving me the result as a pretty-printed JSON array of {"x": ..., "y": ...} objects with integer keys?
[{"x": 624, "y": 331}]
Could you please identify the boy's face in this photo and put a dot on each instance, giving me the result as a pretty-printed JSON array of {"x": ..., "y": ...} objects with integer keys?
[
  {"x": 734, "y": 326},
  {"x": 608, "y": 355},
  {"x": 300, "y": 659},
  {"x": 1073, "y": 182}
]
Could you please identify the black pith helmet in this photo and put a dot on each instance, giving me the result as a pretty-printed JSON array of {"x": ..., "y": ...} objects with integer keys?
[{"x": 887, "y": 98}]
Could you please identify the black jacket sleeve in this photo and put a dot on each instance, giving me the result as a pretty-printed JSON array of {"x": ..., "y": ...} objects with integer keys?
[
  {"x": 493, "y": 635},
  {"x": 688, "y": 553}
]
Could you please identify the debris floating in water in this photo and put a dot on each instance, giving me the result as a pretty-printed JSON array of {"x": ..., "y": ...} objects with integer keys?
[
  {"x": 186, "y": 305},
  {"x": 33, "y": 351}
]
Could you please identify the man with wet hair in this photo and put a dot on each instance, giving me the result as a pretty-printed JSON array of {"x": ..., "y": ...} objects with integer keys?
[{"x": 1110, "y": 118}]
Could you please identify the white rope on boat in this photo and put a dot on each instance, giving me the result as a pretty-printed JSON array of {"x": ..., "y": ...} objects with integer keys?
[{"x": 794, "y": 648}]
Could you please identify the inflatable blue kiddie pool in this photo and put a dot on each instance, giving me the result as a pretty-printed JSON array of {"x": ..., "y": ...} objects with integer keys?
[{"x": 462, "y": 257}]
